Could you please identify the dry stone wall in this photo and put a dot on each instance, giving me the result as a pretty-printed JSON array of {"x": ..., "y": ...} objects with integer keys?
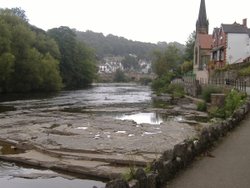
[{"x": 171, "y": 161}]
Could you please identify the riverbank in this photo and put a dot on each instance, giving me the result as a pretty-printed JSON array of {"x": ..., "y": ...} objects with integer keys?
[{"x": 74, "y": 132}]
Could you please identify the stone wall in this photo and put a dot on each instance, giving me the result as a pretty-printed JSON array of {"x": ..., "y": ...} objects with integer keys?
[
  {"x": 192, "y": 88},
  {"x": 171, "y": 161}
]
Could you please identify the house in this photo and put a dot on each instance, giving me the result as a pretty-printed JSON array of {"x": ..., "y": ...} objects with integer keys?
[
  {"x": 231, "y": 44},
  {"x": 203, "y": 46}
]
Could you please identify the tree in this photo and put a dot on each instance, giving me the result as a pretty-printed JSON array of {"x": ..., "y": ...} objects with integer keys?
[
  {"x": 189, "y": 51},
  {"x": 186, "y": 67},
  {"x": 22, "y": 57},
  {"x": 77, "y": 63},
  {"x": 130, "y": 63},
  {"x": 167, "y": 61},
  {"x": 119, "y": 76}
]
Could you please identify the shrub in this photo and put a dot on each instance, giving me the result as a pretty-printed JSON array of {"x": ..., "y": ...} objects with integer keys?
[
  {"x": 160, "y": 84},
  {"x": 202, "y": 106},
  {"x": 245, "y": 71},
  {"x": 207, "y": 91},
  {"x": 234, "y": 100},
  {"x": 176, "y": 90},
  {"x": 217, "y": 112}
]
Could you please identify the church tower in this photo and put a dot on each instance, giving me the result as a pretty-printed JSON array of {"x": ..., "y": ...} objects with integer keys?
[{"x": 202, "y": 22}]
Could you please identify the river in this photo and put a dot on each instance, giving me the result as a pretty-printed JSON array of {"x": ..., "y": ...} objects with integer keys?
[
  {"x": 96, "y": 131},
  {"x": 98, "y": 95}
]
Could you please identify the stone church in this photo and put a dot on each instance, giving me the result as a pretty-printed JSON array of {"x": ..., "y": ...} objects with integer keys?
[{"x": 203, "y": 46}]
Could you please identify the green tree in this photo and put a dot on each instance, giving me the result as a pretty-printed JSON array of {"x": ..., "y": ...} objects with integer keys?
[
  {"x": 130, "y": 63},
  {"x": 167, "y": 61},
  {"x": 77, "y": 63},
  {"x": 186, "y": 67},
  {"x": 189, "y": 50},
  {"x": 22, "y": 57},
  {"x": 119, "y": 76}
]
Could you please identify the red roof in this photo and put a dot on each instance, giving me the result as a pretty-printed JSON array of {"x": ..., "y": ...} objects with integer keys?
[{"x": 205, "y": 41}]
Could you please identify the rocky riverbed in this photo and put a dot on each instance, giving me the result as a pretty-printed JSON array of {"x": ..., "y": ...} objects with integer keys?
[{"x": 97, "y": 132}]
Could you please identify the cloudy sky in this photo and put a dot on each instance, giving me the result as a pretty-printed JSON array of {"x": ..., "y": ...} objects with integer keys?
[{"x": 141, "y": 20}]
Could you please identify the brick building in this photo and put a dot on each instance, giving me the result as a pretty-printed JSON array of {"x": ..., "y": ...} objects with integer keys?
[{"x": 231, "y": 44}]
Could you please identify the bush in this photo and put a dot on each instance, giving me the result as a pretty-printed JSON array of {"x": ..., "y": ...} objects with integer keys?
[
  {"x": 217, "y": 112},
  {"x": 207, "y": 91},
  {"x": 176, "y": 90},
  {"x": 119, "y": 76},
  {"x": 202, "y": 106},
  {"x": 145, "y": 80},
  {"x": 245, "y": 71},
  {"x": 234, "y": 100},
  {"x": 160, "y": 85}
]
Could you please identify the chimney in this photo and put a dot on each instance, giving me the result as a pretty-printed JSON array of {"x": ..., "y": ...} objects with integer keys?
[{"x": 244, "y": 22}]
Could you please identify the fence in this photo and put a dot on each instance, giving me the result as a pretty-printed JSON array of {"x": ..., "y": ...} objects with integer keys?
[{"x": 240, "y": 85}]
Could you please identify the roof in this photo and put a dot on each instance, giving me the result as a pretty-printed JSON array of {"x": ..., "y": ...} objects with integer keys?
[
  {"x": 205, "y": 41},
  {"x": 234, "y": 28}
]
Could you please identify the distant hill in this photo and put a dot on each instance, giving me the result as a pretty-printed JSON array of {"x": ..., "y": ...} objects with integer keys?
[{"x": 111, "y": 45}]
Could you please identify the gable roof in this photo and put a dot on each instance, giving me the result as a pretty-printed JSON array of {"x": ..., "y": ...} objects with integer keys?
[
  {"x": 234, "y": 28},
  {"x": 205, "y": 41}
]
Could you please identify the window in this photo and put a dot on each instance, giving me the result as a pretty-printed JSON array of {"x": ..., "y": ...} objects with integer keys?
[
  {"x": 221, "y": 55},
  {"x": 204, "y": 62}
]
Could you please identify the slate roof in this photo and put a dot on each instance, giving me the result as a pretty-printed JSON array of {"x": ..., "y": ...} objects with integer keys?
[
  {"x": 205, "y": 41},
  {"x": 234, "y": 28}
]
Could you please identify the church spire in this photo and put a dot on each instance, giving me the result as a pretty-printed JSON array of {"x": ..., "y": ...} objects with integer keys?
[{"x": 202, "y": 22}]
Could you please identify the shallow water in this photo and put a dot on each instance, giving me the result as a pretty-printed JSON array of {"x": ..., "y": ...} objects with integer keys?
[
  {"x": 97, "y": 95},
  {"x": 12, "y": 176}
]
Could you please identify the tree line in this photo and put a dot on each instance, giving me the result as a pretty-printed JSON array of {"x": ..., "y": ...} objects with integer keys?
[
  {"x": 172, "y": 63},
  {"x": 32, "y": 59},
  {"x": 112, "y": 45}
]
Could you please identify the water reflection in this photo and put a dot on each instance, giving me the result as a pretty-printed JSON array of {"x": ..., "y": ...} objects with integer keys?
[
  {"x": 12, "y": 176},
  {"x": 152, "y": 118},
  {"x": 139, "y": 118}
]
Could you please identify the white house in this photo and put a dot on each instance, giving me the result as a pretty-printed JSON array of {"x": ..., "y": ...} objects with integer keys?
[{"x": 231, "y": 44}]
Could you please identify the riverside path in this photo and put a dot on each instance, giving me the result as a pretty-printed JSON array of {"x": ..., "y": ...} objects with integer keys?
[{"x": 227, "y": 167}]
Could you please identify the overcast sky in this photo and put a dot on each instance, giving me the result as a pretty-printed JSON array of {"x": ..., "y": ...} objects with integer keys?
[{"x": 141, "y": 20}]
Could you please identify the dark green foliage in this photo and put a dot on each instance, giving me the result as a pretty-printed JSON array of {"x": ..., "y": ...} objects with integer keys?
[
  {"x": 130, "y": 63},
  {"x": 177, "y": 90},
  {"x": 119, "y": 76},
  {"x": 168, "y": 61},
  {"x": 145, "y": 80},
  {"x": 186, "y": 67},
  {"x": 234, "y": 100},
  {"x": 24, "y": 65},
  {"x": 244, "y": 71},
  {"x": 189, "y": 51},
  {"x": 217, "y": 112},
  {"x": 208, "y": 90},
  {"x": 111, "y": 45},
  {"x": 202, "y": 106},
  {"x": 77, "y": 63},
  {"x": 160, "y": 84}
]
